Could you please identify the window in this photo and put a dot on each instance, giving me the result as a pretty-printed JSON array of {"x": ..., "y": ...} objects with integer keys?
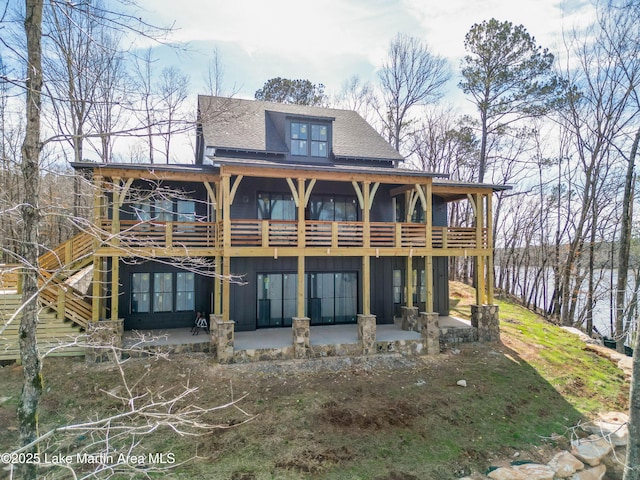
[
  {"x": 333, "y": 208},
  {"x": 142, "y": 211},
  {"x": 277, "y": 296},
  {"x": 319, "y": 140},
  {"x": 162, "y": 292},
  {"x": 276, "y": 206},
  {"x": 140, "y": 291},
  {"x": 186, "y": 211},
  {"x": 309, "y": 140},
  {"x": 164, "y": 210},
  {"x": 398, "y": 290},
  {"x": 417, "y": 216},
  {"x": 185, "y": 292},
  {"x": 332, "y": 297}
]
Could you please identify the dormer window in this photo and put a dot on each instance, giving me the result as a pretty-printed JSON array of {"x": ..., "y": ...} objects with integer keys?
[{"x": 309, "y": 139}]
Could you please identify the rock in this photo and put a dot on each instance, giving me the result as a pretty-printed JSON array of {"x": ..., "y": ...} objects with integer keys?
[
  {"x": 612, "y": 426},
  {"x": 596, "y": 473},
  {"x": 591, "y": 450},
  {"x": 565, "y": 464},
  {"x": 461, "y": 383},
  {"x": 534, "y": 471},
  {"x": 507, "y": 473}
]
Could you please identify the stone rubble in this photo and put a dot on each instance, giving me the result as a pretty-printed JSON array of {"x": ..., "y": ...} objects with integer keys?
[{"x": 584, "y": 462}]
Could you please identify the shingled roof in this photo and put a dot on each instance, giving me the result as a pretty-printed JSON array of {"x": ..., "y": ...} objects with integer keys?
[{"x": 256, "y": 126}]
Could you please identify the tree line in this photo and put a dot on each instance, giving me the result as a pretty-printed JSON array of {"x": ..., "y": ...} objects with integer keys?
[{"x": 564, "y": 134}]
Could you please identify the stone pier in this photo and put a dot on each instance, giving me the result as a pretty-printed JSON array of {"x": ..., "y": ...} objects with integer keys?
[
  {"x": 367, "y": 333},
  {"x": 410, "y": 319},
  {"x": 485, "y": 318},
  {"x": 105, "y": 341},
  {"x": 226, "y": 336},
  {"x": 301, "y": 336},
  {"x": 213, "y": 333},
  {"x": 430, "y": 331}
]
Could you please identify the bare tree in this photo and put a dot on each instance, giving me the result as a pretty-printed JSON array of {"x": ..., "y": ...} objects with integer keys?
[
  {"x": 411, "y": 75},
  {"x": 173, "y": 90}
]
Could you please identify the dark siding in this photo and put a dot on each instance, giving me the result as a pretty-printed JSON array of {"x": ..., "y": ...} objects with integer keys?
[
  {"x": 243, "y": 298},
  {"x": 144, "y": 321}
]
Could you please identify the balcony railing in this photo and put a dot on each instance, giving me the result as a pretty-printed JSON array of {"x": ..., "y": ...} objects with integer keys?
[{"x": 284, "y": 233}]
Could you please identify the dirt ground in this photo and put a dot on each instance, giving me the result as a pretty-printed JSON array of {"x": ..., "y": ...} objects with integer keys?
[{"x": 383, "y": 417}]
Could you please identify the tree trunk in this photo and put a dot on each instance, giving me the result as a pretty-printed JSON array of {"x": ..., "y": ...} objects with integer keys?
[
  {"x": 31, "y": 148},
  {"x": 625, "y": 246},
  {"x": 632, "y": 470}
]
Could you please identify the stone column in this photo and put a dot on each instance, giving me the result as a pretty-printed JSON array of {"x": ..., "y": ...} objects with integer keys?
[
  {"x": 485, "y": 319},
  {"x": 410, "y": 318},
  {"x": 301, "y": 337},
  {"x": 430, "y": 331},
  {"x": 367, "y": 333},
  {"x": 213, "y": 333},
  {"x": 226, "y": 334},
  {"x": 105, "y": 341}
]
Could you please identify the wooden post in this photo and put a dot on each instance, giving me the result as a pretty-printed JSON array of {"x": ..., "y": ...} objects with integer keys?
[
  {"x": 217, "y": 286},
  {"x": 115, "y": 286},
  {"x": 480, "y": 264},
  {"x": 301, "y": 245},
  {"x": 409, "y": 281},
  {"x": 62, "y": 299},
  {"x": 301, "y": 219},
  {"x": 366, "y": 285},
  {"x": 68, "y": 253},
  {"x": 490, "y": 267},
  {"x": 366, "y": 214},
  {"x": 428, "y": 261},
  {"x": 96, "y": 286},
  {"x": 300, "y": 293},
  {"x": 226, "y": 244},
  {"x": 168, "y": 234}
]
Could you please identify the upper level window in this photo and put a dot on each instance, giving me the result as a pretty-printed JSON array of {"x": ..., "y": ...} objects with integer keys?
[
  {"x": 309, "y": 139},
  {"x": 276, "y": 206}
]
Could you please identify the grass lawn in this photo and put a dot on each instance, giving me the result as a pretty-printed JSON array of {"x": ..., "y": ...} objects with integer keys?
[{"x": 382, "y": 417}]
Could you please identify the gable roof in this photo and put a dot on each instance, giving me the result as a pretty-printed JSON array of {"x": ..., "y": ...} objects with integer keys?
[{"x": 256, "y": 126}]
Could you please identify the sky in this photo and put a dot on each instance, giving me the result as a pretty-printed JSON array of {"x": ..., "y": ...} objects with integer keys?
[{"x": 328, "y": 41}]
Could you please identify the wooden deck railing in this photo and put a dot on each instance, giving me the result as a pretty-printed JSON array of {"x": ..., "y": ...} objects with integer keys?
[
  {"x": 284, "y": 233},
  {"x": 68, "y": 255}
]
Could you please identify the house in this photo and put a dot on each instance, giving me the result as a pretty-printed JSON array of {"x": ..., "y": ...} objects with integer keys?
[{"x": 305, "y": 204}]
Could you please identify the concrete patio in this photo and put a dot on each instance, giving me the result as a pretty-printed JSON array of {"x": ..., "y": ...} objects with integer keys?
[{"x": 279, "y": 338}]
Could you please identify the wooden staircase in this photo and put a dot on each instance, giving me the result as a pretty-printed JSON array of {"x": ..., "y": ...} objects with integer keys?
[
  {"x": 64, "y": 313},
  {"x": 54, "y": 335}
]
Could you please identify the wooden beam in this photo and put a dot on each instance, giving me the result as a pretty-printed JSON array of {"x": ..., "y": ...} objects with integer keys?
[
  {"x": 226, "y": 290},
  {"x": 307, "y": 194},
  {"x": 217, "y": 286},
  {"x": 294, "y": 191},
  {"x": 155, "y": 174},
  {"x": 115, "y": 287},
  {"x": 366, "y": 285},
  {"x": 211, "y": 193},
  {"x": 423, "y": 201},
  {"x": 480, "y": 263},
  {"x": 123, "y": 192},
  {"x": 490, "y": 266},
  {"x": 372, "y": 195},
  {"x": 356, "y": 187},
  {"x": 234, "y": 189},
  {"x": 226, "y": 213},
  {"x": 409, "y": 281},
  {"x": 338, "y": 176},
  {"x": 428, "y": 278},
  {"x": 300, "y": 287},
  {"x": 366, "y": 214},
  {"x": 300, "y": 194}
]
